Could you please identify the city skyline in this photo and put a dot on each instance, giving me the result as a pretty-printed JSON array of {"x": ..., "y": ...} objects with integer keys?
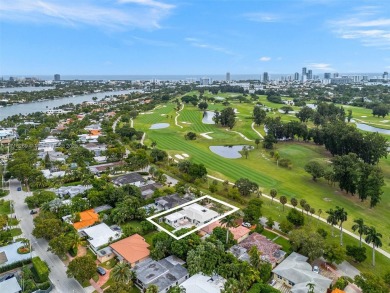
[{"x": 147, "y": 37}]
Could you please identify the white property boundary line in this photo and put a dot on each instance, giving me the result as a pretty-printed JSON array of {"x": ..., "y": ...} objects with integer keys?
[{"x": 150, "y": 219}]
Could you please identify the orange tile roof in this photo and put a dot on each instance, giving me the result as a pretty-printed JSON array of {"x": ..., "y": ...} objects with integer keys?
[
  {"x": 239, "y": 231},
  {"x": 87, "y": 218},
  {"x": 132, "y": 249},
  {"x": 338, "y": 291},
  {"x": 209, "y": 228},
  {"x": 94, "y": 132}
]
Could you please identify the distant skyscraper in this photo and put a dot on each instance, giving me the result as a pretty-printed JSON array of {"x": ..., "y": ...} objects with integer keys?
[
  {"x": 265, "y": 77},
  {"x": 228, "y": 76},
  {"x": 304, "y": 70},
  {"x": 335, "y": 75},
  {"x": 310, "y": 74},
  {"x": 57, "y": 77},
  {"x": 327, "y": 75},
  {"x": 205, "y": 81},
  {"x": 296, "y": 76},
  {"x": 385, "y": 75},
  {"x": 365, "y": 78}
]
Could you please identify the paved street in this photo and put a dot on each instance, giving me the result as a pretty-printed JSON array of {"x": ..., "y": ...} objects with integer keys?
[{"x": 62, "y": 283}]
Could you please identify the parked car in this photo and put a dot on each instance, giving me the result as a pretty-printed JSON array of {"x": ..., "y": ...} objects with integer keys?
[
  {"x": 19, "y": 189},
  {"x": 247, "y": 224},
  {"x": 33, "y": 212},
  {"x": 101, "y": 271},
  {"x": 316, "y": 269}
]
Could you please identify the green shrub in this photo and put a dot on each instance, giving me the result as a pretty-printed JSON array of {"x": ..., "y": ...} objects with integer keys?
[
  {"x": 40, "y": 269},
  {"x": 14, "y": 265},
  {"x": 286, "y": 163},
  {"x": 357, "y": 253},
  {"x": 322, "y": 232},
  {"x": 341, "y": 283},
  {"x": 44, "y": 285}
]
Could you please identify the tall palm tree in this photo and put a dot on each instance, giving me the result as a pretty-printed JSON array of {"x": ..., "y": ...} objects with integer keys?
[
  {"x": 294, "y": 202},
  {"x": 283, "y": 201},
  {"x": 341, "y": 216},
  {"x": 360, "y": 227},
  {"x": 273, "y": 193},
  {"x": 311, "y": 287},
  {"x": 332, "y": 219},
  {"x": 374, "y": 238},
  {"x": 121, "y": 273},
  {"x": 228, "y": 221}
]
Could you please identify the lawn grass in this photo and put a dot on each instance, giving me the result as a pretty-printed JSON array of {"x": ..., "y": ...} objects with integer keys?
[
  {"x": 91, "y": 254},
  {"x": 13, "y": 221},
  {"x": 149, "y": 237},
  {"x": 5, "y": 208},
  {"x": 109, "y": 264},
  {"x": 16, "y": 232},
  {"x": 260, "y": 167},
  {"x": 270, "y": 235},
  {"x": 284, "y": 243}
]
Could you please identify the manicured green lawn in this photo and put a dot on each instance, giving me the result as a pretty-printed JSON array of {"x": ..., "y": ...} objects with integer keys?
[
  {"x": 149, "y": 237},
  {"x": 270, "y": 235},
  {"x": 109, "y": 264},
  {"x": 5, "y": 208},
  {"x": 16, "y": 232}
]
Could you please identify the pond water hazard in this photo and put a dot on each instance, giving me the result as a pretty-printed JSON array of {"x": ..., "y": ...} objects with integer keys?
[
  {"x": 228, "y": 151},
  {"x": 208, "y": 117},
  {"x": 370, "y": 128},
  {"x": 159, "y": 126}
]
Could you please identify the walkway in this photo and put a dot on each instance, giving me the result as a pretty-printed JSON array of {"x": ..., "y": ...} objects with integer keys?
[
  {"x": 240, "y": 134},
  {"x": 381, "y": 251},
  {"x": 258, "y": 133},
  {"x": 177, "y": 115},
  {"x": 115, "y": 123}
]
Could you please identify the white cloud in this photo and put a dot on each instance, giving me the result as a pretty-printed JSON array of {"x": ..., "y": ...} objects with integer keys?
[
  {"x": 201, "y": 44},
  {"x": 122, "y": 14},
  {"x": 265, "y": 58},
  {"x": 320, "y": 66},
  {"x": 262, "y": 17},
  {"x": 366, "y": 25}
]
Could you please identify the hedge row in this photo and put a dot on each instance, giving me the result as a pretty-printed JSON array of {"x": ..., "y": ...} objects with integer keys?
[
  {"x": 14, "y": 265},
  {"x": 40, "y": 269}
]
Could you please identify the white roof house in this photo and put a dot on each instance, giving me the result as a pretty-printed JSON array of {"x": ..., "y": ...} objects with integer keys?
[
  {"x": 10, "y": 286},
  {"x": 100, "y": 235},
  {"x": 204, "y": 284},
  {"x": 198, "y": 213},
  {"x": 195, "y": 213}
]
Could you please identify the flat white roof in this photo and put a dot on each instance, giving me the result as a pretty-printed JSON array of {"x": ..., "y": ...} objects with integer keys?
[
  {"x": 100, "y": 235},
  {"x": 10, "y": 286},
  {"x": 174, "y": 217},
  {"x": 203, "y": 284},
  {"x": 199, "y": 213}
]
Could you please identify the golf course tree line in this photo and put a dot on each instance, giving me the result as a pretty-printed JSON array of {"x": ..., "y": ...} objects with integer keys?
[
  {"x": 227, "y": 117},
  {"x": 353, "y": 176}
]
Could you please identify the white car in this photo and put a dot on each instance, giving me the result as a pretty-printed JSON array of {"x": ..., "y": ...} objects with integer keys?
[
  {"x": 247, "y": 224},
  {"x": 316, "y": 269}
]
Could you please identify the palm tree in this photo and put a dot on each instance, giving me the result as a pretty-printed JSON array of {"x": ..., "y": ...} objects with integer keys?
[
  {"x": 283, "y": 201},
  {"x": 360, "y": 227},
  {"x": 332, "y": 219},
  {"x": 75, "y": 240},
  {"x": 374, "y": 238},
  {"x": 273, "y": 193},
  {"x": 229, "y": 222},
  {"x": 341, "y": 216},
  {"x": 294, "y": 202},
  {"x": 311, "y": 287},
  {"x": 307, "y": 208},
  {"x": 121, "y": 273}
]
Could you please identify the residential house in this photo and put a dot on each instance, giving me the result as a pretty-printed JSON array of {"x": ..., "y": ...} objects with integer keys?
[
  {"x": 131, "y": 250},
  {"x": 295, "y": 272},
  {"x": 87, "y": 219},
  {"x": 171, "y": 201},
  {"x": 148, "y": 189},
  {"x": 101, "y": 168},
  {"x": 239, "y": 233},
  {"x": 270, "y": 251},
  {"x": 71, "y": 191},
  {"x": 165, "y": 273},
  {"x": 100, "y": 235},
  {"x": 200, "y": 283},
  {"x": 96, "y": 148},
  {"x": 10, "y": 286},
  {"x": 131, "y": 178},
  {"x": 194, "y": 214}
]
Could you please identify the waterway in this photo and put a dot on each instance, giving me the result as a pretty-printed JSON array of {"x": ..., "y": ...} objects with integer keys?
[
  {"x": 208, "y": 117},
  {"x": 227, "y": 151},
  {"x": 43, "y": 106},
  {"x": 370, "y": 128}
]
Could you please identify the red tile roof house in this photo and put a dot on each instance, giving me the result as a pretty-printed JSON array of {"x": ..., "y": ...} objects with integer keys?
[
  {"x": 132, "y": 249},
  {"x": 270, "y": 251},
  {"x": 239, "y": 232}
]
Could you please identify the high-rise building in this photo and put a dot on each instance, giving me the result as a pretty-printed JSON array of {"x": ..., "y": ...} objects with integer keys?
[
  {"x": 365, "y": 78},
  {"x": 327, "y": 75},
  {"x": 296, "y": 76},
  {"x": 335, "y": 75},
  {"x": 57, "y": 77},
  {"x": 205, "y": 81},
  {"x": 228, "y": 76},
  {"x": 304, "y": 71},
  {"x": 385, "y": 75},
  {"x": 265, "y": 77},
  {"x": 310, "y": 74}
]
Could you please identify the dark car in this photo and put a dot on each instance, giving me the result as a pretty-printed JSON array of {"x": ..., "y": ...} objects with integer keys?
[
  {"x": 19, "y": 189},
  {"x": 101, "y": 271},
  {"x": 33, "y": 212}
]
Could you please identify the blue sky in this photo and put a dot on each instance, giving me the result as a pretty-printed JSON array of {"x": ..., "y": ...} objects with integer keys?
[{"x": 193, "y": 37}]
